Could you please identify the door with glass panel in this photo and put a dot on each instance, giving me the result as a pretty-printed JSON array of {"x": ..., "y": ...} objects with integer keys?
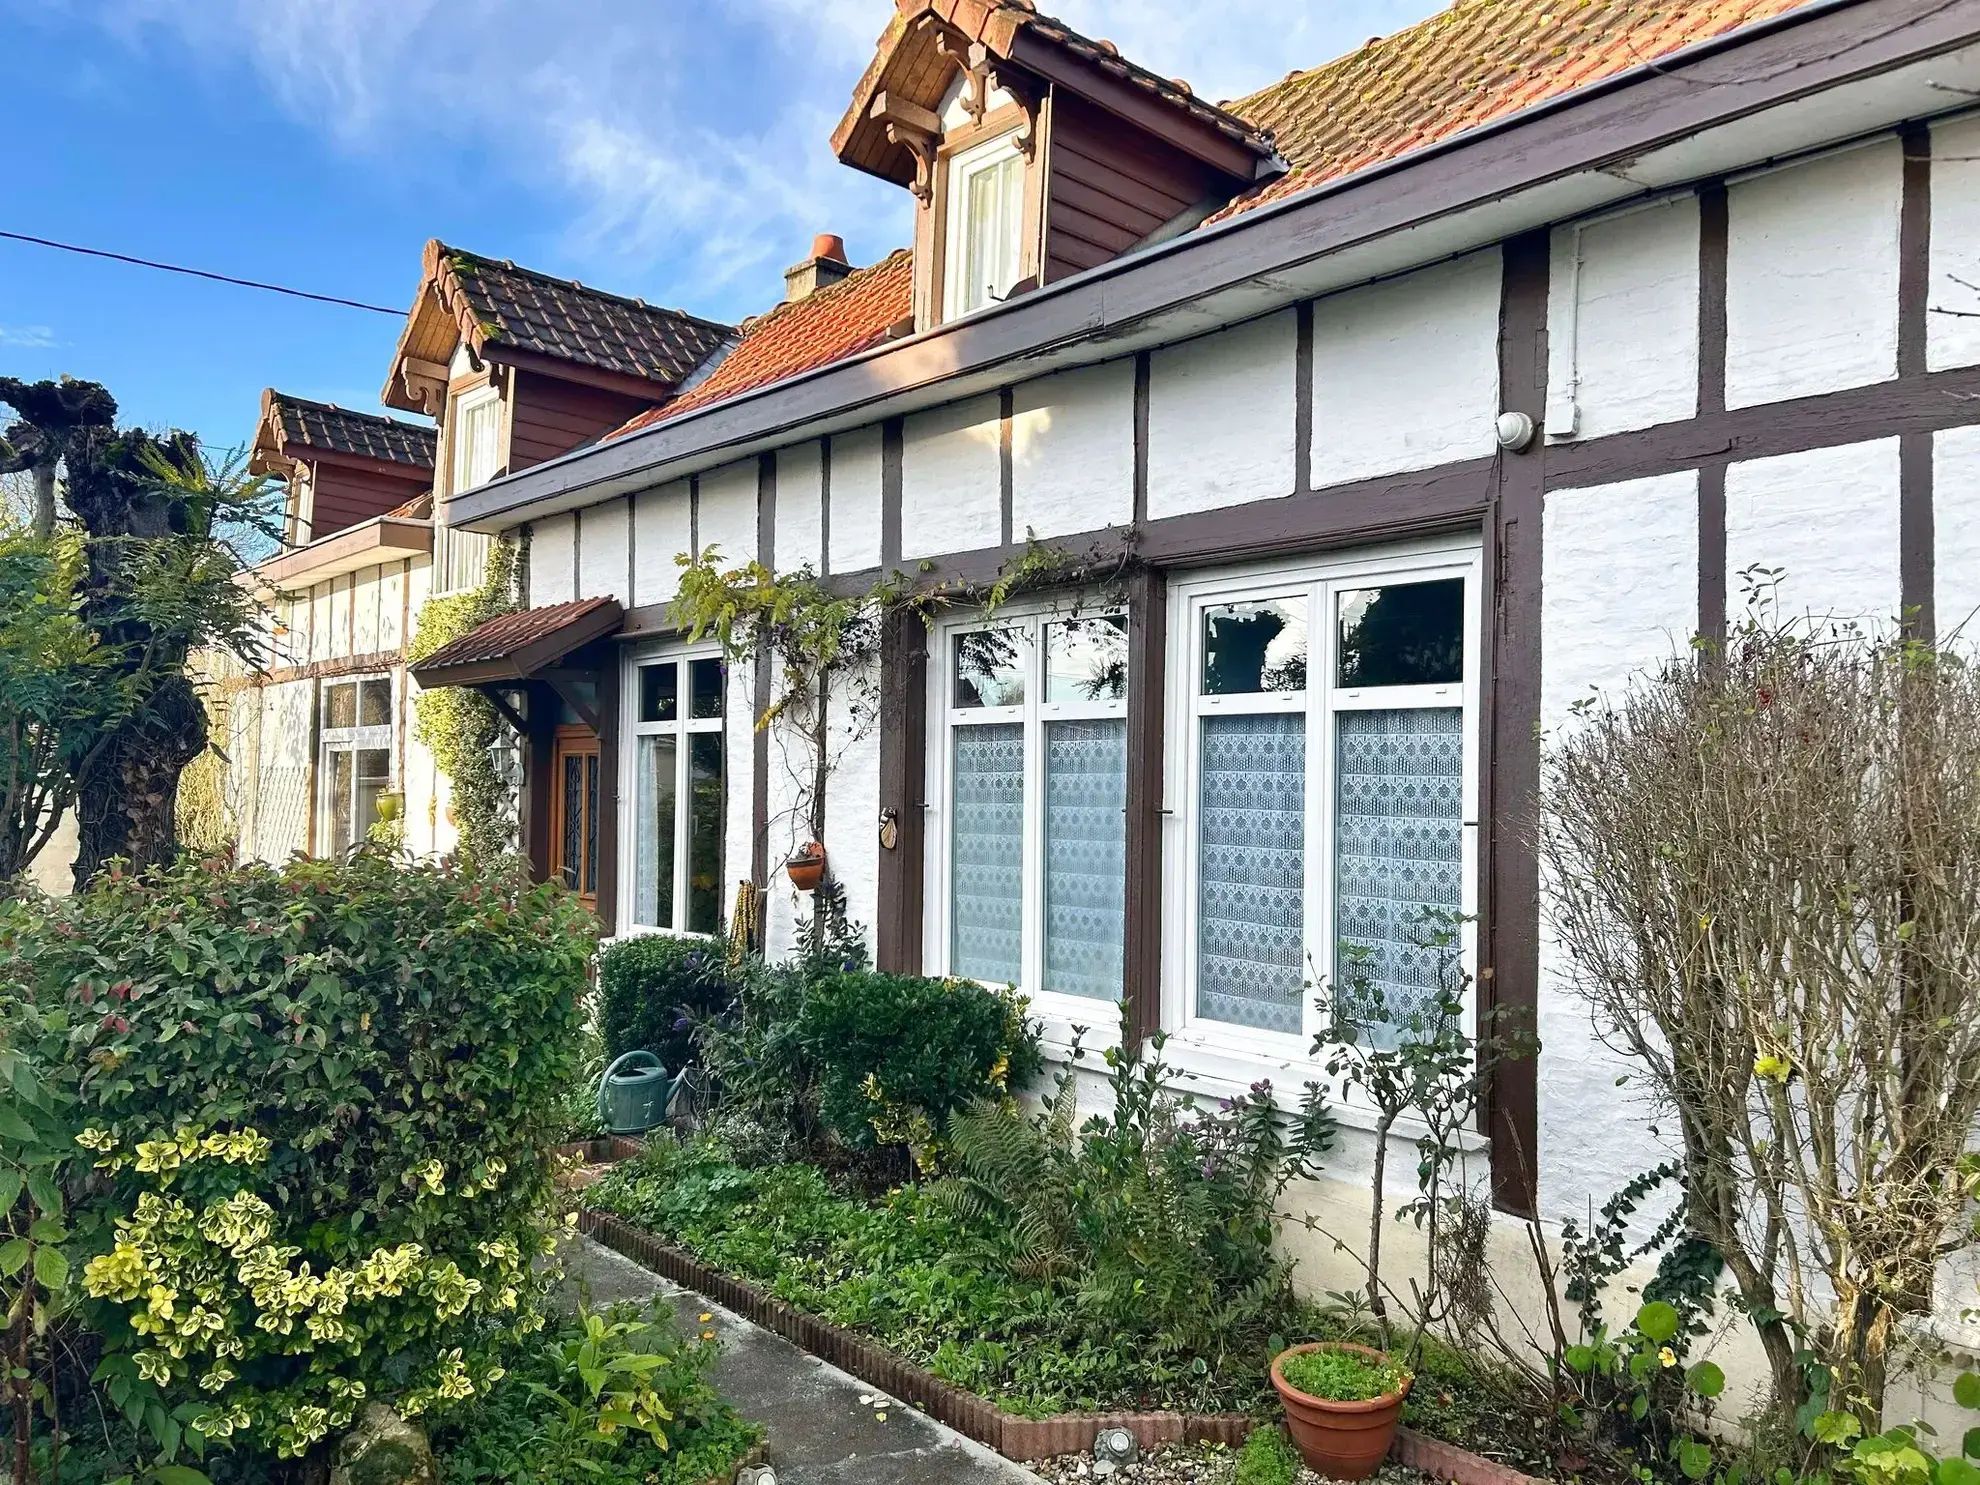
[
  {"x": 1032, "y": 768},
  {"x": 574, "y": 812},
  {"x": 1329, "y": 759},
  {"x": 677, "y": 798},
  {"x": 354, "y": 765}
]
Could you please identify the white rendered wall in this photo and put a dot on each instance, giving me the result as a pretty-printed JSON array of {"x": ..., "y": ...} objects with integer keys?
[
  {"x": 364, "y": 609},
  {"x": 284, "y": 794},
  {"x": 855, "y": 514},
  {"x": 790, "y": 762},
  {"x": 1619, "y": 595},
  {"x": 660, "y": 533},
  {"x": 1956, "y": 532},
  {"x": 1811, "y": 276},
  {"x": 951, "y": 479},
  {"x": 392, "y": 610},
  {"x": 603, "y": 531},
  {"x": 1220, "y": 418},
  {"x": 1829, "y": 519},
  {"x": 800, "y": 507},
  {"x": 1072, "y": 451},
  {"x": 852, "y": 804},
  {"x": 726, "y": 516},
  {"x": 1406, "y": 373},
  {"x": 1952, "y": 321},
  {"x": 1622, "y": 326},
  {"x": 553, "y": 560},
  {"x": 738, "y": 774}
]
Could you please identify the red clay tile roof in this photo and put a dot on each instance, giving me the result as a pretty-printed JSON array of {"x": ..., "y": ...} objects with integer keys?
[
  {"x": 1477, "y": 61},
  {"x": 325, "y": 426},
  {"x": 507, "y": 634},
  {"x": 857, "y": 312},
  {"x": 559, "y": 317}
]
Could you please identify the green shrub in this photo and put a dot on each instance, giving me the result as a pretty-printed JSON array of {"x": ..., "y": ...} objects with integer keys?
[
  {"x": 321, "y": 1098},
  {"x": 896, "y": 1055},
  {"x": 653, "y": 988},
  {"x": 618, "y": 1398},
  {"x": 1343, "y": 1376},
  {"x": 1158, "y": 1218},
  {"x": 1268, "y": 1458}
]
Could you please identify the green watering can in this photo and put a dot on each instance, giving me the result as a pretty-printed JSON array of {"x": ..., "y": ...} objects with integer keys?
[{"x": 636, "y": 1093}]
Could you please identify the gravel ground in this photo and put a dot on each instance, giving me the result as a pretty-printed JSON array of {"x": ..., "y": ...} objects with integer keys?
[{"x": 1190, "y": 1464}]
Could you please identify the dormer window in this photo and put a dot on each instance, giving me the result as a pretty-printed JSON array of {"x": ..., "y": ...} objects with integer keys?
[
  {"x": 460, "y": 558},
  {"x": 985, "y": 225}
]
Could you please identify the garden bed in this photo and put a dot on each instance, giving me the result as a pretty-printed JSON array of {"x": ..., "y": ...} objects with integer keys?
[{"x": 1016, "y": 1436}]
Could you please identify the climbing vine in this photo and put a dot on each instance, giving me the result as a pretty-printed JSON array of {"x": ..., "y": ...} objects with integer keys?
[
  {"x": 823, "y": 642},
  {"x": 458, "y": 724}
]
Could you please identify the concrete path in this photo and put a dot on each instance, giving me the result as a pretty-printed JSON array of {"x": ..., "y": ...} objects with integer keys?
[{"x": 820, "y": 1431}]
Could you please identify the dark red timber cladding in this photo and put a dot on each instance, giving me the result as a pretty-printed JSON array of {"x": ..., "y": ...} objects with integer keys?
[
  {"x": 552, "y": 417},
  {"x": 1110, "y": 187}
]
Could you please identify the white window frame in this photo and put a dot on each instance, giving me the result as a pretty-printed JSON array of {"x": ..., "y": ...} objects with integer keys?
[
  {"x": 955, "y": 249},
  {"x": 1059, "y": 1011},
  {"x": 1224, "y": 1057},
  {"x": 631, "y": 730},
  {"x": 450, "y": 547},
  {"x": 378, "y": 737}
]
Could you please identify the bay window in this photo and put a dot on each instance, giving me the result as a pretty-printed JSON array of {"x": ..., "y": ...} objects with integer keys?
[
  {"x": 354, "y": 762},
  {"x": 1321, "y": 758},
  {"x": 676, "y": 802},
  {"x": 1028, "y": 769}
]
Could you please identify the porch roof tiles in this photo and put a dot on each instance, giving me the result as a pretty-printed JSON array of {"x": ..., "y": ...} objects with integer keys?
[{"x": 511, "y": 647}]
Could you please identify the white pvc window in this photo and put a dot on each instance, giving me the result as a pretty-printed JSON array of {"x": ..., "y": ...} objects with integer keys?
[
  {"x": 985, "y": 225},
  {"x": 1323, "y": 768},
  {"x": 1029, "y": 776},
  {"x": 674, "y": 826},
  {"x": 354, "y": 764},
  {"x": 461, "y": 557}
]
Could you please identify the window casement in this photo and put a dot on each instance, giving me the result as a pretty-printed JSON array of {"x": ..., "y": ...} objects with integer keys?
[
  {"x": 1321, "y": 756},
  {"x": 673, "y": 824},
  {"x": 354, "y": 766},
  {"x": 984, "y": 230},
  {"x": 460, "y": 558},
  {"x": 574, "y": 762},
  {"x": 1028, "y": 806}
]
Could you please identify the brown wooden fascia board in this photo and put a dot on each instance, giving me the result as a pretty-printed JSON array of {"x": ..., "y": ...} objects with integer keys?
[
  {"x": 646, "y": 389},
  {"x": 1802, "y": 52},
  {"x": 380, "y": 539},
  {"x": 1169, "y": 122},
  {"x": 414, "y": 474}
]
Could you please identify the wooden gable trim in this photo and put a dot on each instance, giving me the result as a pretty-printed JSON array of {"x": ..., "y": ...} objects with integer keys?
[{"x": 644, "y": 388}]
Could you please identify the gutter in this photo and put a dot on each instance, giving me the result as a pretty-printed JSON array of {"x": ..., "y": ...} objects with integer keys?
[{"x": 1103, "y": 303}]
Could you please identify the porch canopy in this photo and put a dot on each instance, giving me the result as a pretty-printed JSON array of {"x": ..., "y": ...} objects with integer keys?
[{"x": 544, "y": 656}]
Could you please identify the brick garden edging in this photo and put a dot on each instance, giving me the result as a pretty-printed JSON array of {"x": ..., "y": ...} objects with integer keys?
[{"x": 1021, "y": 1439}]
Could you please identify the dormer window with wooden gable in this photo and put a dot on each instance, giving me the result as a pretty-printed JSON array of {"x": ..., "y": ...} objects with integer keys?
[{"x": 1033, "y": 152}]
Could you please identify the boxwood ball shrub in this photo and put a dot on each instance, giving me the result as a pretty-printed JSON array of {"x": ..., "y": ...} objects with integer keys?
[
  {"x": 319, "y": 1100},
  {"x": 896, "y": 1055},
  {"x": 652, "y": 990}
]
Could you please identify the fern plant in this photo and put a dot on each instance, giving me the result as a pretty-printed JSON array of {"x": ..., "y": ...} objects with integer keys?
[{"x": 1155, "y": 1218}]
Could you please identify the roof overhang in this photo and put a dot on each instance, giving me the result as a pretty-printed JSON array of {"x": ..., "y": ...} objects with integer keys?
[
  {"x": 1830, "y": 71},
  {"x": 511, "y": 648},
  {"x": 367, "y": 544}
]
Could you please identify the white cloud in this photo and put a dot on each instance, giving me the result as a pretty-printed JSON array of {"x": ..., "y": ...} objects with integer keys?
[
  {"x": 27, "y": 337},
  {"x": 685, "y": 147}
]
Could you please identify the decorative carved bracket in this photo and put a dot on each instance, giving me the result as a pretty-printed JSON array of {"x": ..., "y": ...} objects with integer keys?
[
  {"x": 916, "y": 129},
  {"x": 1021, "y": 88},
  {"x": 427, "y": 382},
  {"x": 972, "y": 60}
]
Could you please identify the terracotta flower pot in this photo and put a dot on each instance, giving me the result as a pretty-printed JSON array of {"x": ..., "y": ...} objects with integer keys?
[
  {"x": 1341, "y": 1440},
  {"x": 807, "y": 866}
]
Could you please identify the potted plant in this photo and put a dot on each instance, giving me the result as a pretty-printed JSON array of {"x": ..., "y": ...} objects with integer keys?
[
  {"x": 1342, "y": 1403},
  {"x": 807, "y": 866}
]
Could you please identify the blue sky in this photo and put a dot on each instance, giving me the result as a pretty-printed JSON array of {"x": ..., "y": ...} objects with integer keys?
[{"x": 652, "y": 147}]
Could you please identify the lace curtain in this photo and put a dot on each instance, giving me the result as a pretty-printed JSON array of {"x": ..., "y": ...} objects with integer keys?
[
  {"x": 986, "y": 913},
  {"x": 1252, "y": 870},
  {"x": 1398, "y": 836},
  {"x": 1085, "y": 856}
]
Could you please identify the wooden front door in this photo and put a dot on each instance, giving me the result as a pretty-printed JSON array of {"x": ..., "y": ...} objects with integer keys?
[{"x": 574, "y": 812}]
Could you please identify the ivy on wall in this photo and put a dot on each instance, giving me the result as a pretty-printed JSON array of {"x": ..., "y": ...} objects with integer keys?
[{"x": 459, "y": 725}]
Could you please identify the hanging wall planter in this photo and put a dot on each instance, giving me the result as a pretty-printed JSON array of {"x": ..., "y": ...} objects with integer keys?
[{"x": 807, "y": 866}]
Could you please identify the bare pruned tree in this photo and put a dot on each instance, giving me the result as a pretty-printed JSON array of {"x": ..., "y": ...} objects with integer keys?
[{"x": 1765, "y": 867}]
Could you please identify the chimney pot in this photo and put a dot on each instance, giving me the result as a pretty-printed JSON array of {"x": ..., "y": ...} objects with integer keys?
[{"x": 824, "y": 266}]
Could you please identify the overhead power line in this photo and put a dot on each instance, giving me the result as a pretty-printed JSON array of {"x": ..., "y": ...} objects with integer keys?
[{"x": 218, "y": 278}]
